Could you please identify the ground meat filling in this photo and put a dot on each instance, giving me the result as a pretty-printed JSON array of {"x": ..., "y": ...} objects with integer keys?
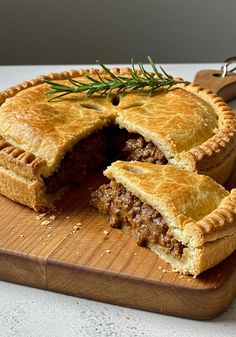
[
  {"x": 124, "y": 208},
  {"x": 89, "y": 155},
  {"x": 137, "y": 148},
  {"x": 95, "y": 152}
]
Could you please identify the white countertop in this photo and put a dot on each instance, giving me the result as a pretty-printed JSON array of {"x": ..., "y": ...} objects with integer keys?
[{"x": 26, "y": 312}]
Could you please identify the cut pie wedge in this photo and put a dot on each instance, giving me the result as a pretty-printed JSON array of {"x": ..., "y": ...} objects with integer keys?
[{"x": 187, "y": 219}]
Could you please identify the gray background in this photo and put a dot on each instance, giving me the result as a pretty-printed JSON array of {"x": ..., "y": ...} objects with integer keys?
[{"x": 77, "y": 32}]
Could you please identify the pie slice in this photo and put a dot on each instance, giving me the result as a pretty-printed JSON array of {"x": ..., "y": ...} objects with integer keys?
[
  {"x": 192, "y": 128},
  {"x": 187, "y": 219},
  {"x": 47, "y": 145}
]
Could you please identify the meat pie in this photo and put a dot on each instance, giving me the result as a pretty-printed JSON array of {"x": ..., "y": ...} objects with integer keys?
[{"x": 47, "y": 145}]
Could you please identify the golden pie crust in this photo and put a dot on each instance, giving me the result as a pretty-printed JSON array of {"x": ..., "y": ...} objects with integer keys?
[
  {"x": 199, "y": 212},
  {"x": 193, "y": 128}
]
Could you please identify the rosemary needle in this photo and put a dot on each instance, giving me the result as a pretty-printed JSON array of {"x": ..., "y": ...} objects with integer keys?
[{"x": 136, "y": 81}]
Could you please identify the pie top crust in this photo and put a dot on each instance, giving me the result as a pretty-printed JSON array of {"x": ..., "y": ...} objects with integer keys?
[{"x": 192, "y": 127}]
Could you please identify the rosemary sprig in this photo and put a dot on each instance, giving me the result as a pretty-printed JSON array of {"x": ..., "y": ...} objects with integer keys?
[{"x": 137, "y": 81}]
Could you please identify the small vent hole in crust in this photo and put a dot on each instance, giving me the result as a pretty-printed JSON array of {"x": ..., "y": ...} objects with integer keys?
[
  {"x": 115, "y": 100},
  {"x": 91, "y": 106}
]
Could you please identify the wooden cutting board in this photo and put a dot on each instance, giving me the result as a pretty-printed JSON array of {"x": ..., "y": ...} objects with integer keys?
[{"x": 101, "y": 263}]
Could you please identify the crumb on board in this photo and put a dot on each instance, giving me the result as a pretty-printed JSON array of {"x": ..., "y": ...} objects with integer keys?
[
  {"x": 46, "y": 222},
  {"x": 52, "y": 217},
  {"x": 108, "y": 251},
  {"x": 106, "y": 232},
  {"x": 77, "y": 226},
  {"x": 164, "y": 271},
  {"x": 49, "y": 235},
  {"x": 67, "y": 217},
  {"x": 22, "y": 235},
  {"x": 40, "y": 216}
]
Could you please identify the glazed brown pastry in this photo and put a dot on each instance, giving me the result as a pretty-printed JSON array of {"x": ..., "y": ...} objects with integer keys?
[
  {"x": 46, "y": 145},
  {"x": 187, "y": 219}
]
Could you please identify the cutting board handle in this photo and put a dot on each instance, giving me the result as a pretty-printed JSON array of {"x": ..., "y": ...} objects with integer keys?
[{"x": 224, "y": 87}]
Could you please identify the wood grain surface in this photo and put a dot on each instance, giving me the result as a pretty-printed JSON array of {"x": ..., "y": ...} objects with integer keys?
[
  {"x": 224, "y": 87},
  {"x": 77, "y": 253}
]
